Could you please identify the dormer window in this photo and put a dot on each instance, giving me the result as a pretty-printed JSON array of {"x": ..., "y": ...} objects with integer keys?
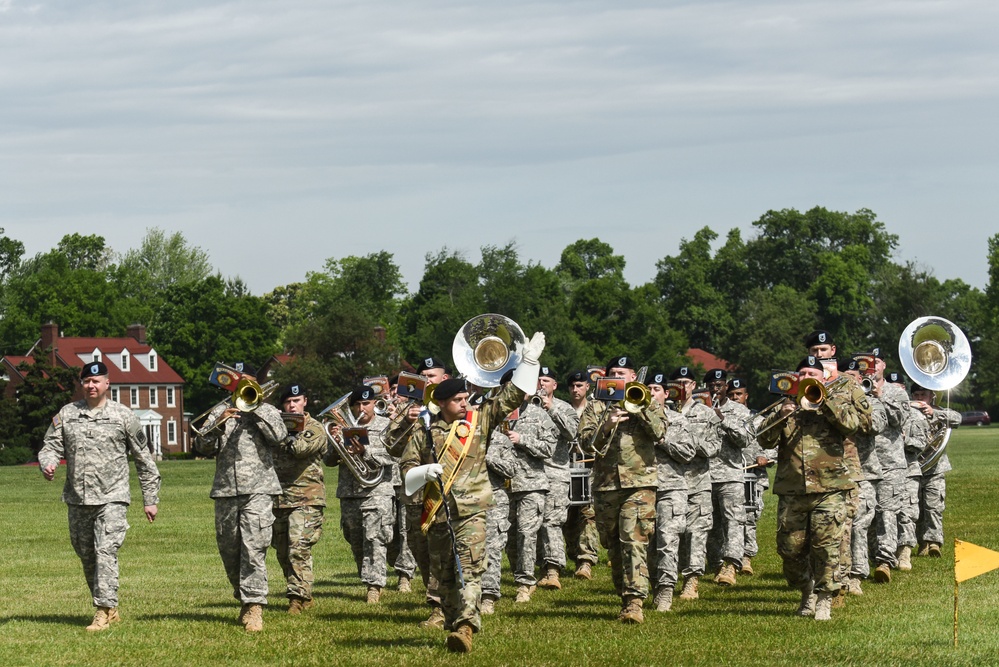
[
  {"x": 152, "y": 361},
  {"x": 96, "y": 355},
  {"x": 124, "y": 360}
]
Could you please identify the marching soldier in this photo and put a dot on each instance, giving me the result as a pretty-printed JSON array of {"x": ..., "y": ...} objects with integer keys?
[
  {"x": 581, "y": 536},
  {"x": 403, "y": 561},
  {"x": 95, "y": 436},
  {"x": 625, "y": 482},
  {"x": 501, "y": 463},
  {"x": 932, "y": 484},
  {"x": 298, "y": 511},
  {"x": 755, "y": 478},
  {"x": 891, "y": 492}
]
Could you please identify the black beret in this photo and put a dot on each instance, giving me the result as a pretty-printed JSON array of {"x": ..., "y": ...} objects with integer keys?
[
  {"x": 507, "y": 376},
  {"x": 292, "y": 391},
  {"x": 92, "y": 369},
  {"x": 578, "y": 376},
  {"x": 449, "y": 389},
  {"x": 846, "y": 364},
  {"x": 476, "y": 399},
  {"x": 362, "y": 393},
  {"x": 547, "y": 372},
  {"x": 736, "y": 383},
  {"x": 895, "y": 378},
  {"x": 658, "y": 377},
  {"x": 393, "y": 380},
  {"x": 819, "y": 337},
  {"x": 809, "y": 362},
  {"x": 878, "y": 353},
  {"x": 682, "y": 373},
  {"x": 715, "y": 374},
  {"x": 428, "y": 363},
  {"x": 245, "y": 368},
  {"x": 918, "y": 387},
  {"x": 619, "y": 362}
]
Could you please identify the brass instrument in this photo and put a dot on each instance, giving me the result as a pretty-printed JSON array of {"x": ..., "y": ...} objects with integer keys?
[
  {"x": 539, "y": 397},
  {"x": 338, "y": 414},
  {"x": 486, "y": 347},
  {"x": 246, "y": 397},
  {"x": 637, "y": 397},
  {"x": 810, "y": 397}
]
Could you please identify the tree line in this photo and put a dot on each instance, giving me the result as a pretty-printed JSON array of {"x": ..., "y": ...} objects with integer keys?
[{"x": 749, "y": 301}]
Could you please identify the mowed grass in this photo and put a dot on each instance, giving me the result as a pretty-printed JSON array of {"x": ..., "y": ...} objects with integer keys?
[{"x": 178, "y": 610}]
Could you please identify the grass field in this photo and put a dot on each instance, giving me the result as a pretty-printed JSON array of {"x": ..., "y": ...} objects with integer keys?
[{"x": 177, "y": 608}]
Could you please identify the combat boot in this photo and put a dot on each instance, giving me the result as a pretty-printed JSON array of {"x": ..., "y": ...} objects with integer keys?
[
  {"x": 882, "y": 574},
  {"x": 436, "y": 620},
  {"x": 488, "y": 605},
  {"x": 904, "y": 558},
  {"x": 550, "y": 580},
  {"x": 631, "y": 610},
  {"x": 405, "y": 584},
  {"x": 808, "y": 600},
  {"x": 242, "y": 613},
  {"x": 460, "y": 641},
  {"x": 689, "y": 591},
  {"x": 747, "y": 566},
  {"x": 853, "y": 586},
  {"x": 664, "y": 598},
  {"x": 924, "y": 549},
  {"x": 374, "y": 594},
  {"x": 726, "y": 575},
  {"x": 823, "y": 606},
  {"x": 584, "y": 571},
  {"x": 295, "y": 606},
  {"x": 933, "y": 550},
  {"x": 100, "y": 622},
  {"x": 839, "y": 598},
  {"x": 524, "y": 593},
  {"x": 308, "y": 604},
  {"x": 113, "y": 615},
  {"x": 253, "y": 621}
]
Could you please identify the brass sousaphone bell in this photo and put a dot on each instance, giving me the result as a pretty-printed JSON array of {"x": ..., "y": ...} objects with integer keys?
[{"x": 486, "y": 347}]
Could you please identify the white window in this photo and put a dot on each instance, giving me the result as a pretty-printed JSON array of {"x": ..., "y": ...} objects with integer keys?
[
  {"x": 171, "y": 401},
  {"x": 124, "y": 360},
  {"x": 171, "y": 432},
  {"x": 114, "y": 394},
  {"x": 152, "y": 361},
  {"x": 134, "y": 395},
  {"x": 152, "y": 398},
  {"x": 96, "y": 355}
]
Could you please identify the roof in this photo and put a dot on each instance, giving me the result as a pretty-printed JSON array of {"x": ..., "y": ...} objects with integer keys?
[
  {"x": 699, "y": 357},
  {"x": 68, "y": 348}
]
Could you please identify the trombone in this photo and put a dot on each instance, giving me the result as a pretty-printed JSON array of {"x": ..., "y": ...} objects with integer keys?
[
  {"x": 246, "y": 397},
  {"x": 810, "y": 397}
]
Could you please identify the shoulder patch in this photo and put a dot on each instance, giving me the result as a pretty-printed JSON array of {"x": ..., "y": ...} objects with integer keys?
[
  {"x": 865, "y": 404},
  {"x": 56, "y": 421}
]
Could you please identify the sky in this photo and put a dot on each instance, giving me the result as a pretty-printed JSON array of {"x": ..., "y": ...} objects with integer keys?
[{"x": 275, "y": 135}]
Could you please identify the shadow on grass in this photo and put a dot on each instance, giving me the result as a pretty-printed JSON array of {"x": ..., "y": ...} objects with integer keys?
[
  {"x": 430, "y": 641},
  {"x": 81, "y": 621},
  {"x": 188, "y": 616}
]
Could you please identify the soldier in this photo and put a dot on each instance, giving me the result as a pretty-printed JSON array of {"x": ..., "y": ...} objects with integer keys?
[
  {"x": 914, "y": 440},
  {"x": 458, "y": 529},
  {"x": 755, "y": 478},
  {"x": 704, "y": 426},
  {"x": 551, "y": 537},
  {"x": 367, "y": 511},
  {"x": 95, "y": 435},
  {"x": 624, "y": 482},
  {"x": 501, "y": 463},
  {"x": 581, "y": 536},
  {"x": 298, "y": 511},
  {"x": 673, "y": 452},
  {"x": 403, "y": 561},
  {"x": 726, "y": 540},
  {"x": 812, "y": 482},
  {"x": 932, "y": 485},
  {"x": 244, "y": 488},
  {"x": 891, "y": 492}
]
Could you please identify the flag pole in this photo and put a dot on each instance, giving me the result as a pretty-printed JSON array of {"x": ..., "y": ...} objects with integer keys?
[{"x": 955, "y": 593}]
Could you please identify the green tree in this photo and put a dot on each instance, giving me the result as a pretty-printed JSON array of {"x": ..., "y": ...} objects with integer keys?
[
  {"x": 89, "y": 252},
  {"x": 986, "y": 365},
  {"x": 11, "y": 252},
  {"x": 45, "y": 390}
]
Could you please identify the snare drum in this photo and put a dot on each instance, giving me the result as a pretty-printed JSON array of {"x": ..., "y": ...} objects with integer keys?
[
  {"x": 579, "y": 487},
  {"x": 754, "y": 494}
]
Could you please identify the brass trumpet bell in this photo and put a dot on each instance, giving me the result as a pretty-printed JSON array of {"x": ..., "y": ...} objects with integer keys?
[
  {"x": 486, "y": 347},
  {"x": 636, "y": 397},
  {"x": 934, "y": 353}
]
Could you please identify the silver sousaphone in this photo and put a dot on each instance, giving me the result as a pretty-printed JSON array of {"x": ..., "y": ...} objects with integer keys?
[
  {"x": 935, "y": 354},
  {"x": 486, "y": 347}
]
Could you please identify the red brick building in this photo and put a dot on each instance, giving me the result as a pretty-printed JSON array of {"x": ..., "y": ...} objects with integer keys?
[{"x": 139, "y": 378}]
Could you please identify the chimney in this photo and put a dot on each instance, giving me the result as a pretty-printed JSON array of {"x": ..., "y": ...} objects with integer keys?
[
  {"x": 137, "y": 331},
  {"x": 380, "y": 334},
  {"x": 50, "y": 334}
]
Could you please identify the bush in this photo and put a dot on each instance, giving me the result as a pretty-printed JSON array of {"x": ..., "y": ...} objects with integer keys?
[{"x": 15, "y": 456}]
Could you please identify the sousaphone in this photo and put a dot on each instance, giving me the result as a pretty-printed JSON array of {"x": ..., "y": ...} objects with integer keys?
[{"x": 486, "y": 347}]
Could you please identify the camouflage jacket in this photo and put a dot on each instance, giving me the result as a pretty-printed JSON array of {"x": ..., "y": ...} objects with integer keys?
[
  {"x": 298, "y": 462},
  {"x": 866, "y": 442},
  {"x": 810, "y": 455},
  {"x": 727, "y": 466},
  {"x": 244, "y": 463},
  {"x": 704, "y": 426},
  {"x": 96, "y": 444},
  {"x": 501, "y": 463},
  {"x": 538, "y": 438},
  {"x": 922, "y": 430},
  {"x": 890, "y": 441},
  {"x": 674, "y": 451},
  {"x": 753, "y": 451},
  {"x": 629, "y": 458},
  {"x": 471, "y": 492},
  {"x": 375, "y": 456},
  {"x": 567, "y": 422}
]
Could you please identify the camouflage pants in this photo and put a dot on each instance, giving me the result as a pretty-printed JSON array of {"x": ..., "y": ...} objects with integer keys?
[
  {"x": 243, "y": 527},
  {"x": 726, "y": 541},
  {"x": 932, "y": 494},
  {"x": 581, "y": 537},
  {"x": 497, "y": 532},
  {"x": 809, "y": 533},
  {"x": 694, "y": 543},
  {"x": 750, "y": 546},
  {"x": 399, "y": 554},
  {"x": 846, "y": 541},
  {"x": 296, "y": 531},
  {"x": 626, "y": 519},
  {"x": 867, "y": 501},
  {"x": 529, "y": 509},
  {"x": 460, "y": 604},
  {"x": 550, "y": 538},
  {"x": 367, "y": 525},
  {"x": 910, "y": 513},
  {"x": 420, "y": 547},
  {"x": 888, "y": 515},
  {"x": 96, "y": 533},
  {"x": 664, "y": 554}
]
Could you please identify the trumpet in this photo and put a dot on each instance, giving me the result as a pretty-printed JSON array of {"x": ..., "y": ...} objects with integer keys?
[
  {"x": 539, "y": 398},
  {"x": 338, "y": 416},
  {"x": 246, "y": 397},
  {"x": 384, "y": 408}
]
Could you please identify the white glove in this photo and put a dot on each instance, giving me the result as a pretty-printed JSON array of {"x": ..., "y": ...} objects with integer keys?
[
  {"x": 534, "y": 347},
  {"x": 418, "y": 477},
  {"x": 525, "y": 376}
]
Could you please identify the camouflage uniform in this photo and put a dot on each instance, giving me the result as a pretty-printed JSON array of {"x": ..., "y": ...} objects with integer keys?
[
  {"x": 551, "y": 538},
  {"x": 851, "y": 457},
  {"x": 726, "y": 540},
  {"x": 529, "y": 486},
  {"x": 244, "y": 488},
  {"x": 932, "y": 484},
  {"x": 298, "y": 511},
  {"x": 860, "y": 567},
  {"x": 501, "y": 463},
  {"x": 890, "y": 518},
  {"x": 96, "y": 444},
  {"x": 580, "y": 529},
  {"x": 704, "y": 426},
  {"x": 469, "y": 500},
  {"x": 367, "y": 513},
  {"x": 758, "y": 475},
  {"x": 672, "y": 454},
  {"x": 624, "y": 482},
  {"x": 812, "y": 483},
  {"x": 915, "y": 440}
]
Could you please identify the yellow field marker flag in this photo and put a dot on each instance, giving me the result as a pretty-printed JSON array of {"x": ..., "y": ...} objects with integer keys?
[{"x": 971, "y": 560}]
